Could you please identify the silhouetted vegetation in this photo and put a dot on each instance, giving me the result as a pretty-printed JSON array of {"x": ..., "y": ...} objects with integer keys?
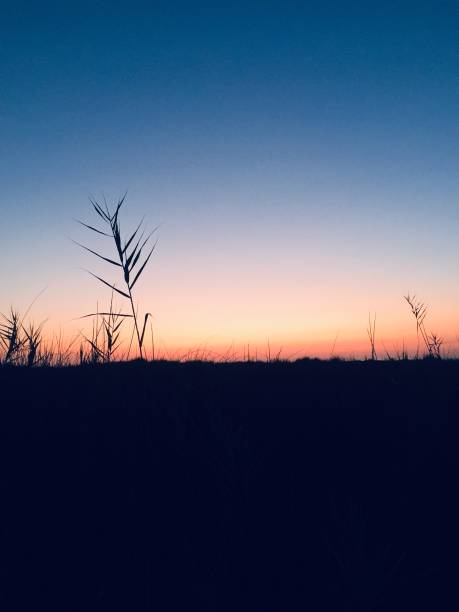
[
  {"x": 432, "y": 341},
  {"x": 219, "y": 487},
  {"x": 129, "y": 259}
]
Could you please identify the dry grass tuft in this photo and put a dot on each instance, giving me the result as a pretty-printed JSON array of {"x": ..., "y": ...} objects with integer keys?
[
  {"x": 371, "y": 331},
  {"x": 432, "y": 342}
]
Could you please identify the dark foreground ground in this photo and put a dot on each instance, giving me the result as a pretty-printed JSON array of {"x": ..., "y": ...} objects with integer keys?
[{"x": 275, "y": 488}]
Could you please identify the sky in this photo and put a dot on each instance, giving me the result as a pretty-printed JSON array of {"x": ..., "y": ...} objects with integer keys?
[{"x": 300, "y": 157}]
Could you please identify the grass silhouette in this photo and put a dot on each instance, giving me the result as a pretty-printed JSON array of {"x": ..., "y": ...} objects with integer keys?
[
  {"x": 371, "y": 331},
  {"x": 129, "y": 259},
  {"x": 21, "y": 343},
  {"x": 105, "y": 339},
  {"x": 432, "y": 341},
  {"x": 10, "y": 337}
]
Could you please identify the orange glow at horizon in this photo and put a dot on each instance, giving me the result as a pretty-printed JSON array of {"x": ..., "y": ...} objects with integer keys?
[
  {"x": 226, "y": 298},
  {"x": 263, "y": 346}
]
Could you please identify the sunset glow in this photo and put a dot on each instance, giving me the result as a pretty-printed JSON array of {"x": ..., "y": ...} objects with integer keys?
[{"x": 302, "y": 172}]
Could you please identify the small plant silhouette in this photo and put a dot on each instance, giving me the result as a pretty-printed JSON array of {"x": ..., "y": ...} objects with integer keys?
[
  {"x": 105, "y": 338},
  {"x": 33, "y": 341},
  {"x": 10, "y": 336},
  {"x": 371, "y": 331},
  {"x": 129, "y": 259},
  {"x": 20, "y": 344},
  {"x": 433, "y": 342}
]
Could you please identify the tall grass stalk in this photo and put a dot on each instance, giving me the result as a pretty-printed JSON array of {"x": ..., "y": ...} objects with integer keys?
[
  {"x": 371, "y": 331},
  {"x": 128, "y": 257}
]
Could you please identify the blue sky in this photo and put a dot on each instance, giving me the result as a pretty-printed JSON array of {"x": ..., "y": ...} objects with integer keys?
[{"x": 302, "y": 158}]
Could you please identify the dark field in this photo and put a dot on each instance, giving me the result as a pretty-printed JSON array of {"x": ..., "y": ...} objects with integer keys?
[{"x": 224, "y": 487}]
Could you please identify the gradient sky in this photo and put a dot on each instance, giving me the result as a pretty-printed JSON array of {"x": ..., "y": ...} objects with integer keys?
[{"x": 301, "y": 157}]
